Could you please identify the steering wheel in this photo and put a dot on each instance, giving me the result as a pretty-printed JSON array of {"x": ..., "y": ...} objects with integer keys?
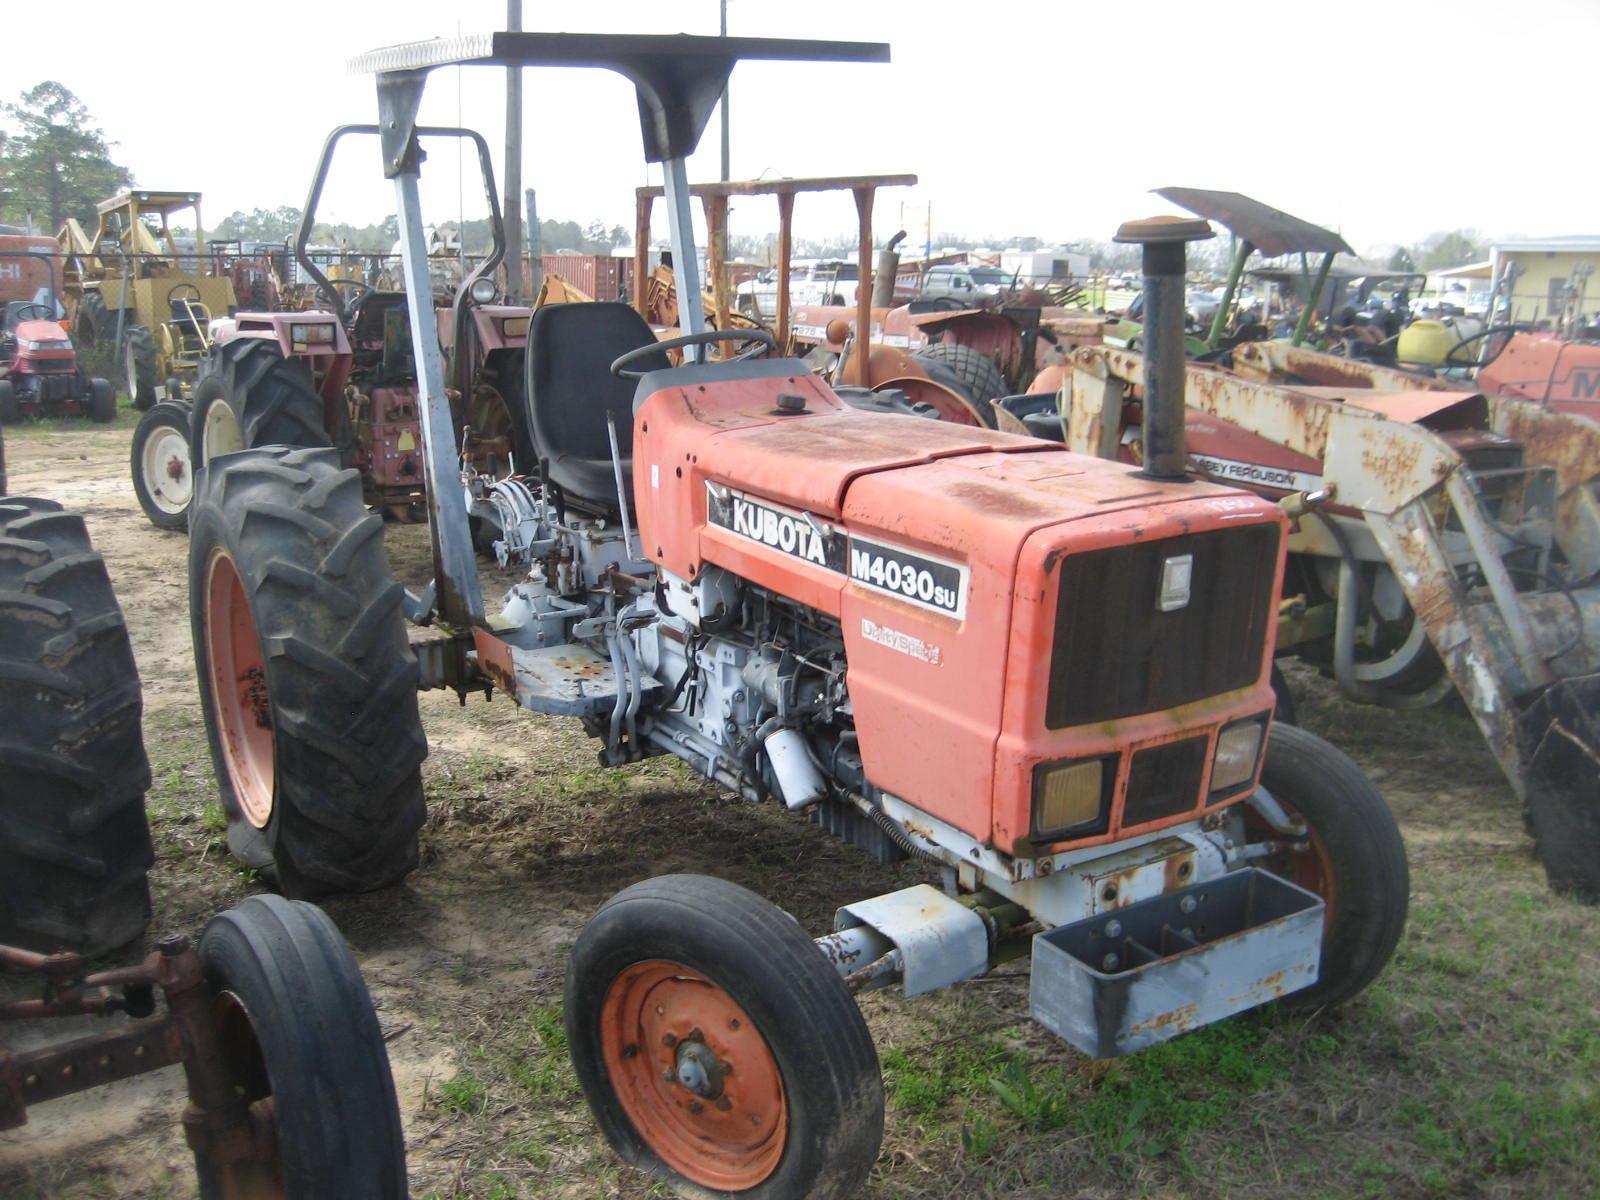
[
  {"x": 194, "y": 293},
  {"x": 361, "y": 289},
  {"x": 26, "y": 312},
  {"x": 761, "y": 339}
]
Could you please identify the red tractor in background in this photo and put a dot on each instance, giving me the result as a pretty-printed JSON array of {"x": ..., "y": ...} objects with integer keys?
[
  {"x": 39, "y": 371},
  {"x": 346, "y": 376}
]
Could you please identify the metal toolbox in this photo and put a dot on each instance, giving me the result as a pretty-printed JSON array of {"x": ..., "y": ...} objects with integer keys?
[{"x": 1125, "y": 979}]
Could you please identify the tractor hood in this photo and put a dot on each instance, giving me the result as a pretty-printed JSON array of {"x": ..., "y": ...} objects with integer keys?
[
  {"x": 941, "y": 551},
  {"x": 43, "y": 331},
  {"x": 761, "y": 470}
]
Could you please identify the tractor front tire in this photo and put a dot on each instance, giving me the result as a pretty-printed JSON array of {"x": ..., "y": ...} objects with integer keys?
[
  {"x": 307, "y": 681},
  {"x": 74, "y": 842},
  {"x": 163, "y": 474},
  {"x": 718, "y": 1049},
  {"x": 302, "y": 1046},
  {"x": 1353, "y": 858},
  {"x": 139, "y": 367},
  {"x": 102, "y": 402},
  {"x": 251, "y": 396}
]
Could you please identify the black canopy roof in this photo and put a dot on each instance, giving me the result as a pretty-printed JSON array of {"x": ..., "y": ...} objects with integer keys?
[
  {"x": 1271, "y": 231},
  {"x": 679, "y": 77}
]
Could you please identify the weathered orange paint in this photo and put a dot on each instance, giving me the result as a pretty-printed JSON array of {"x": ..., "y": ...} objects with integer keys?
[{"x": 957, "y": 726}]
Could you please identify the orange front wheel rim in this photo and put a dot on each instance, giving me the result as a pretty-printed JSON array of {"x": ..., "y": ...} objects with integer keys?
[
  {"x": 694, "y": 1075},
  {"x": 239, "y": 690}
]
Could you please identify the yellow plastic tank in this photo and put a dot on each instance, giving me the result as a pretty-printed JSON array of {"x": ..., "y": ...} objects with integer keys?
[{"x": 1427, "y": 342}]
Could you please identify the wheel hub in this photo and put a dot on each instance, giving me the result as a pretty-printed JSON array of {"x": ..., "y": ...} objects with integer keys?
[{"x": 699, "y": 1069}]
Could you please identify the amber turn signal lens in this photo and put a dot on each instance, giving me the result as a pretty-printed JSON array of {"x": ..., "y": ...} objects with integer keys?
[{"x": 1069, "y": 795}]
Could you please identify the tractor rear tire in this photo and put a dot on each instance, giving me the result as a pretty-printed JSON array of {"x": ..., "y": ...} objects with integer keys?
[
  {"x": 102, "y": 402},
  {"x": 978, "y": 375},
  {"x": 139, "y": 367},
  {"x": 163, "y": 473},
  {"x": 10, "y": 410},
  {"x": 789, "y": 1097},
  {"x": 92, "y": 320},
  {"x": 301, "y": 1040},
  {"x": 74, "y": 842},
  {"x": 251, "y": 396},
  {"x": 307, "y": 680},
  {"x": 1354, "y": 859}
]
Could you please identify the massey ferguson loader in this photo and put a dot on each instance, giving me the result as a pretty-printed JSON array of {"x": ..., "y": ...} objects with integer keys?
[
  {"x": 1445, "y": 542},
  {"x": 1044, "y": 675}
]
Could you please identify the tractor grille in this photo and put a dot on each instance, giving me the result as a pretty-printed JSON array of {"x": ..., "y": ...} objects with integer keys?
[
  {"x": 49, "y": 389},
  {"x": 1164, "y": 781},
  {"x": 1116, "y": 654}
]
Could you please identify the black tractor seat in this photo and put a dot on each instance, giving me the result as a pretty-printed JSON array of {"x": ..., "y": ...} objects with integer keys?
[{"x": 571, "y": 391}]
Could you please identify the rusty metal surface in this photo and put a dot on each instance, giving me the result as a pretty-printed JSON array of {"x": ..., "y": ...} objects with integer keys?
[
  {"x": 216, "y": 1121},
  {"x": 941, "y": 941},
  {"x": 1569, "y": 445},
  {"x": 1131, "y": 977},
  {"x": 1279, "y": 362},
  {"x": 1428, "y": 515},
  {"x": 64, "y": 1068},
  {"x": 787, "y": 187}
]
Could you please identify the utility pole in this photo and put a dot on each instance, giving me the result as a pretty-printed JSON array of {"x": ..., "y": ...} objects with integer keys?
[
  {"x": 725, "y": 176},
  {"x": 511, "y": 206},
  {"x": 718, "y": 254}
]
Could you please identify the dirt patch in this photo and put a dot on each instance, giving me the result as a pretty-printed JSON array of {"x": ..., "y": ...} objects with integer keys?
[{"x": 1466, "y": 1070}]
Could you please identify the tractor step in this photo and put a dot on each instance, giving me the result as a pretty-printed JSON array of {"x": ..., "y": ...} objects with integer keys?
[
  {"x": 569, "y": 680},
  {"x": 1125, "y": 979}
]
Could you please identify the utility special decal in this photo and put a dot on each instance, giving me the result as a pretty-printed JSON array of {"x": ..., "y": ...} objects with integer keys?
[{"x": 908, "y": 575}]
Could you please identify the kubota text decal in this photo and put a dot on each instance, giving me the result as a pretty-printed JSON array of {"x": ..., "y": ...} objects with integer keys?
[{"x": 907, "y": 575}]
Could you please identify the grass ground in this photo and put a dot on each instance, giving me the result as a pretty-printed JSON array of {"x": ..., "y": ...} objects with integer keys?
[{"x": 1468, "y": 1070}]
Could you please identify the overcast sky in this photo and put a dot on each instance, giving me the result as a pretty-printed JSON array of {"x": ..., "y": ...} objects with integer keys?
[{"x": 1385, "y": 121}]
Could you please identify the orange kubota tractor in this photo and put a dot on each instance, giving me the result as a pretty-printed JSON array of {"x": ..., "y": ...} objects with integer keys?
[{"x": 1044, "y": 674}]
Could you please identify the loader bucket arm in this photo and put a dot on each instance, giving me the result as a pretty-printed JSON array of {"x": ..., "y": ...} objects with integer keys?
[{"x": 1528, "y": 672}]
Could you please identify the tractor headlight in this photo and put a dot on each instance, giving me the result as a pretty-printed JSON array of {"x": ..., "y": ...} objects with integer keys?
[
  {"x": 483, "y": 291},
  {"x": 1072, "y": 797},
  {"x": 43, "y": 344},
  {"x": 1238, "y": 751},
  {"x": 311, "y": 335}
]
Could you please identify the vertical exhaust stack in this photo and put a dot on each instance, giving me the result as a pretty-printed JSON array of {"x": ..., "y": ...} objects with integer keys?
[
  {"x": 887, "y": 271},
  {"x": 1163, "y": 239}
]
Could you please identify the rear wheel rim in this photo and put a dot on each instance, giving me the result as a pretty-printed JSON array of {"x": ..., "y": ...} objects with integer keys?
[
  {"x": 220, "y": 432},
  {"x": 695, "y": 1077},
  {"x": 239, "y": 690},
  {"x": 165, "y": 463}
]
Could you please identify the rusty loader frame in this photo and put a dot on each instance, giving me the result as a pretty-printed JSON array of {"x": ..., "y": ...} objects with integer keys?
[{"x": 1519, "y": 643}]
